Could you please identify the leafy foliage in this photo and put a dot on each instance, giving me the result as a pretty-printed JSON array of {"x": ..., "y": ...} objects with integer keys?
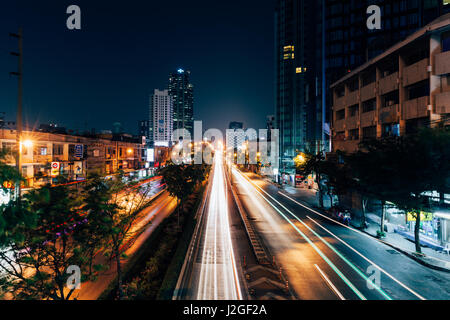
[
  {"x": 332, "y": 178},
  {"x": 37, "y": 248},
  {"x": 113, "y": 206},
  {"x": 402, "y": 169},
  {"x": 181, "y": 180}
]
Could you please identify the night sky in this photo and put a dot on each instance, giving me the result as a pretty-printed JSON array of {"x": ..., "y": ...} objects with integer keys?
[{"x": 105, "y": 72}]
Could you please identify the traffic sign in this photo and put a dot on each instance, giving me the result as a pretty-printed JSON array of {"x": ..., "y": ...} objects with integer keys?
[
  {"x": 55, "y": 168},
  {"x": 79, "y": 148},
  {"x": 8, "y": 185}
]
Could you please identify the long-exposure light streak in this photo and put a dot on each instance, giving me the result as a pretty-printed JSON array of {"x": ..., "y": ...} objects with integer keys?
[
  {"x": 381, "y": 291},
  {"x": 242, "y": 179},
  {"x": 353, "y": 249},
  {"x": 218, "y": 274}
]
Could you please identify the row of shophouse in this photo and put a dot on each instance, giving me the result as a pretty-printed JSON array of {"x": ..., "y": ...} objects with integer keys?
[
  {"x": 396, "y": 93},
  {"x": 45, "y": 156}
]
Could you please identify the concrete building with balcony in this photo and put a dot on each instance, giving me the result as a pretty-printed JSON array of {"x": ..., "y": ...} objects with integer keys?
[
  {"x": 161, "y": 123},
  {"x": 397, "y": 92}
]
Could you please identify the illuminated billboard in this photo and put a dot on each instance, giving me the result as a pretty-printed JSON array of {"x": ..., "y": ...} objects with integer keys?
[{"x": 150, "y": 155}]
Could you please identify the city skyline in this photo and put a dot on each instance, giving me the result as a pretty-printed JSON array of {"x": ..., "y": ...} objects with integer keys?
[
  {"x": 290, "y": 150},
  {"x": 127, "y": 59}
]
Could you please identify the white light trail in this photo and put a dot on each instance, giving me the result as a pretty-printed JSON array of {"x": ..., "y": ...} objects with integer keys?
[
  {"x": 218, "y": 275},
  {"x": 330, "y": 284},
  {"x": 353, "y": 249},
  {"x": 308, "y": 240}
]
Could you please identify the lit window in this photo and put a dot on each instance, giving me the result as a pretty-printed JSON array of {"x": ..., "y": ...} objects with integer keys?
[
  {"x": 299, "y": 70},
  {"x": 289, "y": 48}
]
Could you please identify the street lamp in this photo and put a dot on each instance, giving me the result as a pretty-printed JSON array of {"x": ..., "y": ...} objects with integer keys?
[
  {"x": 27, "y": 143},
  {"x": 300, "y": 158}
]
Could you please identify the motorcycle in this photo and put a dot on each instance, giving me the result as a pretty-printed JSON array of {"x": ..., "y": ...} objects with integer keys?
[
  {"x": 340, "y": 214},
  {"x": 345, "y": 217}
]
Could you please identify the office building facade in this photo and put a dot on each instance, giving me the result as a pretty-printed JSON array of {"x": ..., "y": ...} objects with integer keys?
[
  {"x": 144, "y": 130},
  {"x": 320, "y": 41},
  {"x": 299, "y": 115},
  {"x": 403, "y": 89},
  {"x": 349, "y": 42},
  {"x": 161, "y": 118}
]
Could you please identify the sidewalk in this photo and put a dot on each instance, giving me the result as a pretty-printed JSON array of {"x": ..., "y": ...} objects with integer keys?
[
  {"x": 303, "y": 194},
  {"x": 431, "y": 258}
]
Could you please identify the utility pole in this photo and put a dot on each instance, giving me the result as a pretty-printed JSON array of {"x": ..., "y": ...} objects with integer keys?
[{"x": 19, "y": 75}]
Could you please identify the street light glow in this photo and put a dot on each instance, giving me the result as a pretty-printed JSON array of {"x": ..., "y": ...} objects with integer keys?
[
  {"x": 300, "y": 158},
  {"x": 27, "y": 143}
]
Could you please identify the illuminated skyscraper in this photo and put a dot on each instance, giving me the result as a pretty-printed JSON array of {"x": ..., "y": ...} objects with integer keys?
[
  {"x": 182, "y": 92},
  {"x": 161, "y": 118},
  {"x": 299, "y": 77}
]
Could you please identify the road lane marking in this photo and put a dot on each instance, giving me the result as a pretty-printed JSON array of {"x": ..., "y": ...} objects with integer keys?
[
  {"x": 360, "y": 254},
  {"x": 381, "y": 291},
  {"x": 324, "y": 216},
  {"x": 330, "y": 284},
  {"x": 368, "y": 260},
  {"x": 324, "y": 257}
]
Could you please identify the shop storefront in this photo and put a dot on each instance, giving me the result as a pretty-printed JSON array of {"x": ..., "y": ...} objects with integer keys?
[
  {"x": 444, "y": 226},
  {"x": 434, "y": 226}
]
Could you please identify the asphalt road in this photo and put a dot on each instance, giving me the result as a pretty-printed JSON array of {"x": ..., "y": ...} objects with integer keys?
[
  {"x": 215, "y": 274},
  {"x": 149, "y": 220},
  {"x": 326, "y": 260}
]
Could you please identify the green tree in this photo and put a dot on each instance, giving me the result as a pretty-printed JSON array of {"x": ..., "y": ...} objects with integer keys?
[
  {"x": 181, "y": 181},
  {"x": 37, "y": 248},
  {"x": 113, "y": 206},
  {"x": 332, "y": 177},
  {"x": 337, "y": 178},
  {"x": 308, "y": 163},
  {"x": 92, "y": 234},
  {"x": 9, "y": 176},
  {"x": 402, "y": 169}
]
